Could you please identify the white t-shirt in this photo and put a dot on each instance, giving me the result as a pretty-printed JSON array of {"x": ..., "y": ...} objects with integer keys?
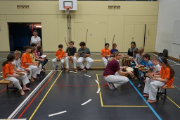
[
  {"x": 157, "y": 68},
  {"x": 35, "y": 40},
  {"x": 17, "y": 63}
]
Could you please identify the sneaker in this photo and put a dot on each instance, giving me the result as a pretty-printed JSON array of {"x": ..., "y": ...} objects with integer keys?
[
  {"x": 56, "y": 67},
  {"x": 62, "y": 68},
  {"x": 139, "y": 86},
  {"x": 111, "y": 86}
]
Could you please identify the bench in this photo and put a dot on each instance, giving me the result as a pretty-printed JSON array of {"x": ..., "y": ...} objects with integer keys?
[
  {"x": 3, "y": 81},
  {"x": 164, "y": 87}
]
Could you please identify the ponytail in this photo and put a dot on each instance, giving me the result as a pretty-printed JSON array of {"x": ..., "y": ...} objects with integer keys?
[
  {"x": 4, "y": 63},
  {"x": 10, "y": 58},
  {"x": 164, "y": 60}
]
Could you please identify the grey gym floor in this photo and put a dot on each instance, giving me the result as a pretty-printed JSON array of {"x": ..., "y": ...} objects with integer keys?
[{"x": 67, "y": 91}]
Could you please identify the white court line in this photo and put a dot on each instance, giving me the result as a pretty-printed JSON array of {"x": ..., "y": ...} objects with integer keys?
[
  {"x": 86, "y": 102},
  {"x": 71, "y": 71},
  {"x": 15, "y": 119},
  {"x": 57, "y": 113},
  {"x": 87, "y": 75},
  {"x": 28, "y": 97},
  {"x": 98, "y": 90},
  {"x": 97, "y": 81}
]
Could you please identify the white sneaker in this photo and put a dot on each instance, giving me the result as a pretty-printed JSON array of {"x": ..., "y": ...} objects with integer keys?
[
  {"x": 111, "y": 86},
  {"x": 139, "y": 86}
]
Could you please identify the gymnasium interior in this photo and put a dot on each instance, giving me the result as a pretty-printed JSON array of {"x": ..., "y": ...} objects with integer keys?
[{"x": 60, "y": 95}]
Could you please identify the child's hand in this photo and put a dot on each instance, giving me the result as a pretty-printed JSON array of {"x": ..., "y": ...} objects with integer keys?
[
  {"x": 153, "y": 78},
  {"x": 16, "y": 75}
]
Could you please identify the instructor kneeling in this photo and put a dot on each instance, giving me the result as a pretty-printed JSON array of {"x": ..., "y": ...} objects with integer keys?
[{"x": 113, "y": 75}]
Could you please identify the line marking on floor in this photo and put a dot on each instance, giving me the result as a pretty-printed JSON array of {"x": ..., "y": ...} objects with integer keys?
[
  {"x": 173, "y": 102},
  {"x": 28, "y": 97},
  {"x": 97, "y": 82},
  {"x": 98, "y": 90},
  {"x": 86, "y": 102},
  {"x": 5, "y": 88},
  {"x": 57, "y": 113},
  {"x": 101, "y": 100},
  {"x": 176, "y": 87},
  {"x": 155, "y": 113},
  {"x": 44, "y": 97},
  {"x": 36, "y": 95}
]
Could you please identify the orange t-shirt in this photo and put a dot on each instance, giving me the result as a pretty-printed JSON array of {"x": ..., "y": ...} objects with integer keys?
[
  {"x": 7, "y": 69},
  {"x": 26, "y": 58},
  {"x": 60, "y": 54},
  {"x": 105, "y": 52},
  {"x": 165, "y": 74}
]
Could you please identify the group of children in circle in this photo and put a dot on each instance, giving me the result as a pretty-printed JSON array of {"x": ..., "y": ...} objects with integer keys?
[{"x": 31, "y": 63}]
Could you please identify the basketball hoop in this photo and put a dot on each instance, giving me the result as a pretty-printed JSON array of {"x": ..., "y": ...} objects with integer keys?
[{"x": 67, "y": 9}]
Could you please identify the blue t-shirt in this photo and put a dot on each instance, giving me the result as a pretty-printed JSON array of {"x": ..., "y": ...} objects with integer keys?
[
  {"x": 143, "y": 62},
  {"x": 149, "y": 64},
  {"x": 114, "y": 50}
]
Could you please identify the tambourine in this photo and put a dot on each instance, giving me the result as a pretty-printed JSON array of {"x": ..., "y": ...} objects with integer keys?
[{"x": 129, "y": 69}]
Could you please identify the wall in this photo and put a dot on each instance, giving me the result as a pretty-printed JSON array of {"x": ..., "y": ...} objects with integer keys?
[
  {"x": 92, "y": 15},
  {"x": 168, "y": 13}
]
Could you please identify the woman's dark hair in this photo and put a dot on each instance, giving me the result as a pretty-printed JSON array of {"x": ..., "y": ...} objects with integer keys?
[
  {"x": 106, "y": 44},
  {"x": 172, "y": 72},
  {"x": 133, "y": 43},
  {"x": 147, "y": 56},
  {"x": 10, "y": 58},
  {"x": 60, "y": 46},
  {"x": 27, "y": 47},
  {"x": 82, "y": 44},
  {"x": 39, "y": 48}
]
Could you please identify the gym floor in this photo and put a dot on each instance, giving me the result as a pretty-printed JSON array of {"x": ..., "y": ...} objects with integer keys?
[{"x": 60, "y": 95}]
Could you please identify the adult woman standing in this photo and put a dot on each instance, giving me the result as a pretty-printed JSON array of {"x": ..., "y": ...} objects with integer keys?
[
  {"x": 132, "y": 48},
  {"x": 35, "y": 38}
]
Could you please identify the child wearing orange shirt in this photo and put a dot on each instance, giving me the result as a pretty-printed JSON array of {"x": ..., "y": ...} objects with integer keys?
[
  {"x": 26, "y": 62},
  {"x": 9, "y": 74},
  {"x": 105, "y": 52},
  {"x": 60, "y": 54},
  {"x": 165, "y": 78}
]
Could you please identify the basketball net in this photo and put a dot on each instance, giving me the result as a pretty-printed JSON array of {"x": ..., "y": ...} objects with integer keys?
[{"x": 67, "y": 9}]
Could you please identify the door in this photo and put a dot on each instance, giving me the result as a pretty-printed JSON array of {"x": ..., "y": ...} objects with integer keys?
[
  {"x": 128, "y": 36},
  {"x": 150, "y": 38},
  {"x": 133, "y": 32}
]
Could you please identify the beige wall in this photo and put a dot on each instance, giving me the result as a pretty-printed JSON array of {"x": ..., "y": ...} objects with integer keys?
[{"x": 126, "y": 23}]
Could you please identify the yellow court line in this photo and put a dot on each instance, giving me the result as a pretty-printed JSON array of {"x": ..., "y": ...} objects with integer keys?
[
  {"x": 44, "y": 97},
  {"x": 173, "y": 102},
  {"x": 100, "y": 91},
  {"x": 102, "y": 105}
]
